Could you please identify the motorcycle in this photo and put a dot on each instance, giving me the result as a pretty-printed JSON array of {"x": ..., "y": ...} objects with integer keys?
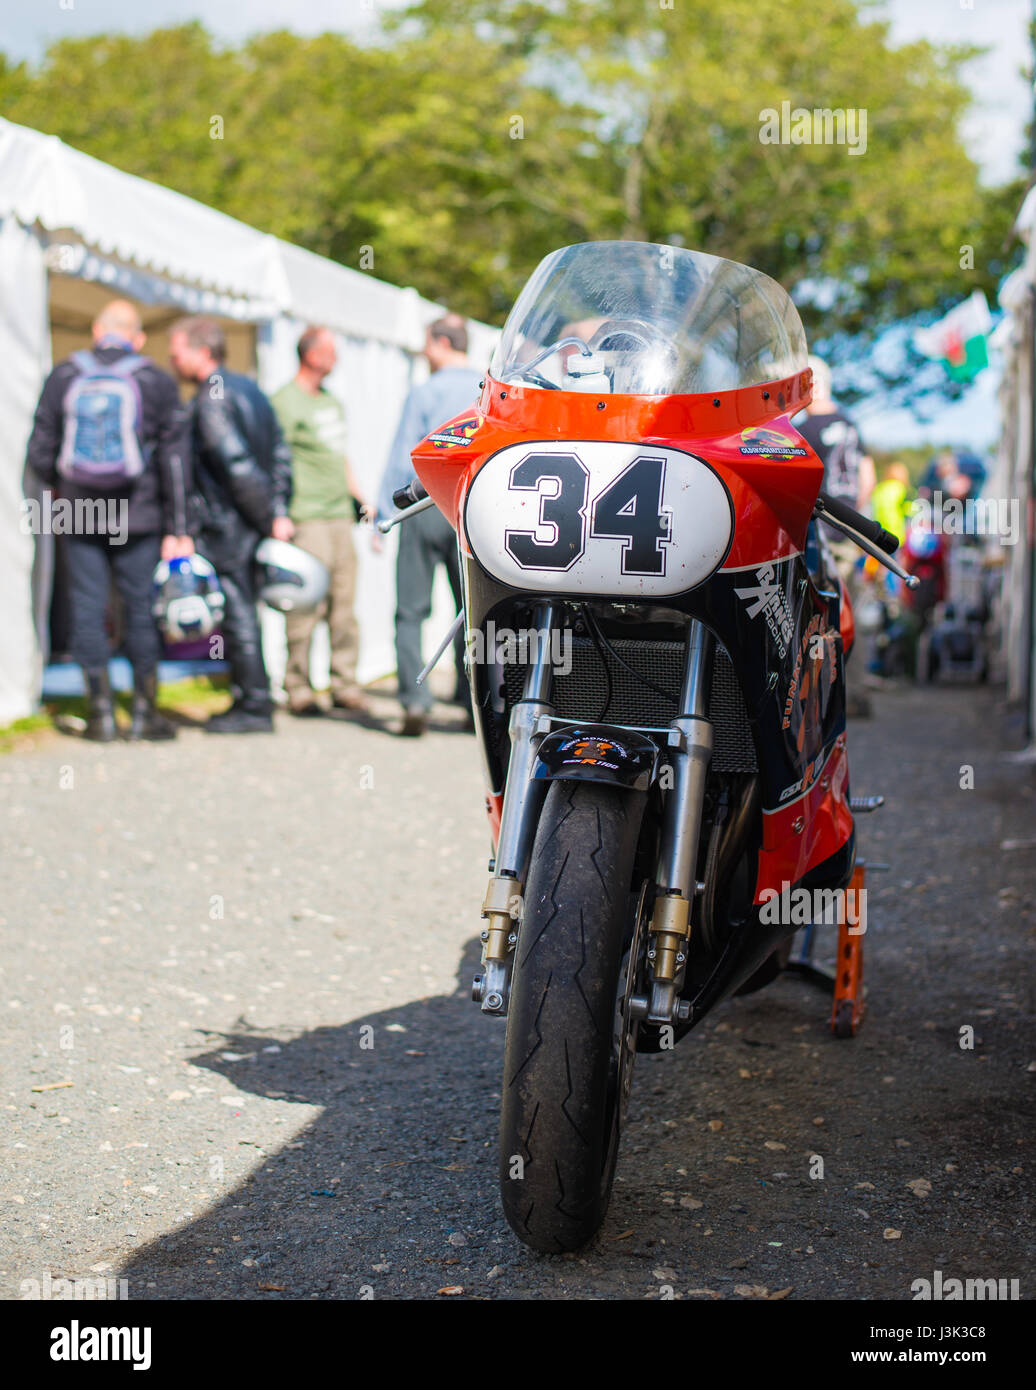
[{"x": 656, "y": 653}]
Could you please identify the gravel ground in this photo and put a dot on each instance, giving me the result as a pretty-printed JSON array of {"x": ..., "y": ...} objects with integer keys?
[{"x": 239, "y": 1059}]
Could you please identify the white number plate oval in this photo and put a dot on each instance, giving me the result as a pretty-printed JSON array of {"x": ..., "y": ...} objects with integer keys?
[{"x": 595, "y": 517}]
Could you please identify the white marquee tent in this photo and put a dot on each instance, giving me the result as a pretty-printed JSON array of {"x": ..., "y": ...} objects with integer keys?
[
  {"x": 74, "y": 232},
  {"x": 1015, "y": 472}
]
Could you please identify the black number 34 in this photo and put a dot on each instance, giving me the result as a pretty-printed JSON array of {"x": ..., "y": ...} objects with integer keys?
[{"x": 629, "y": 509}]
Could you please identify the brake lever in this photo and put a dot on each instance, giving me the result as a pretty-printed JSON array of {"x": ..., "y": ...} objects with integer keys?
[
  {"x": 387, "y": 524},
  {"x": 910, "y": 580}
]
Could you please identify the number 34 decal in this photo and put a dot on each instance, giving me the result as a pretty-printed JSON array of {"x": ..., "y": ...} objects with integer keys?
[
  {"x": 629, "y": 509},
  {"x": 598, "y": 517}
]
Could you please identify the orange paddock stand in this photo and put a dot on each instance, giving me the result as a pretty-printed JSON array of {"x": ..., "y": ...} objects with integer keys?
[
  {"x": 848, "y": 1005},
  {"x": 846, "y": 980}
]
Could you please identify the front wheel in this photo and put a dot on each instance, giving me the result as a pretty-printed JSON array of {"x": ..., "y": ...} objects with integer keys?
[{"x": 569, "y": 1046}]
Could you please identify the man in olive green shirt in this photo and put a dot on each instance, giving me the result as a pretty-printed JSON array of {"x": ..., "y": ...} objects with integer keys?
[{"x": 322, "y": 510}]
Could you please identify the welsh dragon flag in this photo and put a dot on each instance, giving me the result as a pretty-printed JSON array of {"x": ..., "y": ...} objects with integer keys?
[{"x": 959, "y": 339}]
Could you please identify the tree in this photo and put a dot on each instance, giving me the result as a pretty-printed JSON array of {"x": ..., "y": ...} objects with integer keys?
[
  {"x": 475, "y": 136},
  {"x": 680, "y": 91}
]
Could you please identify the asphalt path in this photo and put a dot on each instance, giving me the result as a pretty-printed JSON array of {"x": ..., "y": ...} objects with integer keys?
[{"x": 240, "y": 1061}]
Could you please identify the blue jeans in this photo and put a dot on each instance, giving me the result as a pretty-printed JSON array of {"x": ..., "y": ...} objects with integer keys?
[{"x": 425, "y": 542}]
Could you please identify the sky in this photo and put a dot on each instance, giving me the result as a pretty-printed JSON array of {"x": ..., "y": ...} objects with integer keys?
[{"x": 994, "y": 133}]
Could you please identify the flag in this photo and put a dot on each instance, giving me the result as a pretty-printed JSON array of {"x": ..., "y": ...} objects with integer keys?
[{"x": 959, "y": 339}]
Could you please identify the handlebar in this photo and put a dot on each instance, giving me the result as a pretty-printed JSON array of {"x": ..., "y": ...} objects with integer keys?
[
  {"x": 404, "y": 497},
  {"x": 849, "y": 516}
]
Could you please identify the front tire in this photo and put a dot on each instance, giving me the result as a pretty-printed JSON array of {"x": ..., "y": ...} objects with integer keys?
[{"x": 567, "y": 1049}]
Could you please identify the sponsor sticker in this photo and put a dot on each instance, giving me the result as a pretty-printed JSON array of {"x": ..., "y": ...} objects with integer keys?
[
  {"x": 593, "y": 751},
  {"x": 766, "y": 443},
  {"x": 767, "y": 597},
  {"x": 818, "y": 644},
  {"x": 456, "y": 436}
]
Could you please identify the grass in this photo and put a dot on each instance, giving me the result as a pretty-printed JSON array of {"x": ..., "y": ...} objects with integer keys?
[
  {"x": 13, "y": 735},
  {"x": 203, "y": 694},
  {"x": 195, "y": 698}
]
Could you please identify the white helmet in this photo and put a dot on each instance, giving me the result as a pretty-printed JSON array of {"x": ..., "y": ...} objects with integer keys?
[
  {"x": 288, "y": 578},
  {"x": 187, "y": 602}
]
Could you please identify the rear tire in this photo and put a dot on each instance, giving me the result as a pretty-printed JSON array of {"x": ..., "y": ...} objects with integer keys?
[{"x": 562, "y": 1099}]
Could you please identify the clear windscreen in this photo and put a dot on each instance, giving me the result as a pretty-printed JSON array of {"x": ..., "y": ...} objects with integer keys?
[{"x": 632, "y": 318}]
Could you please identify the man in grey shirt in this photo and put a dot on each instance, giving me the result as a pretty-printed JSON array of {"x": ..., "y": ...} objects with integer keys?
[{"x": 427, "y": 540}]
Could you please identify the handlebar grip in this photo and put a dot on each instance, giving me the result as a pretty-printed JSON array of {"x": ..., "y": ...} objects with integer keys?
[
  {"x": 849, "y": 516},
  {"x": 404, "y": 497}
]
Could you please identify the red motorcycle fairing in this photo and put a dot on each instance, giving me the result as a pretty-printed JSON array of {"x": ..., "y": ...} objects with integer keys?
[
  {"x": 771, "y": 473},
  {"x": 784, "y": 637},
  {"x": 810, "y": 829},
  {"x": 847, "y": 622}
]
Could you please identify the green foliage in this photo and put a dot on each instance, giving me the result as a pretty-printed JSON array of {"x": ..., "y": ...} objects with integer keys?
[{"x": 475, "y": 136}]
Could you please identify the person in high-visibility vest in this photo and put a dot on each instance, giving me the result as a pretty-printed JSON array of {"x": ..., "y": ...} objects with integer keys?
[{"x": 892, "y": 499}]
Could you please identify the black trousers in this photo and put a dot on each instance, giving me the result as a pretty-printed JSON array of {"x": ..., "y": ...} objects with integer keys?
[
  {"x": 91, "y": 562},
  {"x": 244, "y": 642}
]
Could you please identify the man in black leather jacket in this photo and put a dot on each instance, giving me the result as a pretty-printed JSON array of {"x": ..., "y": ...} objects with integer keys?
[{"x": 242, "y": 489}]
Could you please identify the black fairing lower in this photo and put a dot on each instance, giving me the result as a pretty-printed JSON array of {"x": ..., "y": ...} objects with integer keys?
[{"x": 768, "y": 619}]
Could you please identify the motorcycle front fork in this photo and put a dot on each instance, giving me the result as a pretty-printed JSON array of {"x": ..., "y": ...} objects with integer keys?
[
  {"x": 688, "y": 751},
  {"x": 523, "y": 798}
]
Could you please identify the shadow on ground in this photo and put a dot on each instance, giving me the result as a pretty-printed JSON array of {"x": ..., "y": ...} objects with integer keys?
[{"x": 405, "y": 1143}]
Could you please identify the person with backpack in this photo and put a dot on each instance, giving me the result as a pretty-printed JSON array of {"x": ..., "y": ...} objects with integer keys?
[
  {"x": 242, "y": 492},
  {"x": 109, "y": 436}
]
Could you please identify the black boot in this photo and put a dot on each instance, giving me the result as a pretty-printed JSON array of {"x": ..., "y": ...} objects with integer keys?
[
  {"x": 243, "y": 717},
  {"x": 147, "y": 723},
  {"x": 101, "y": 724}
]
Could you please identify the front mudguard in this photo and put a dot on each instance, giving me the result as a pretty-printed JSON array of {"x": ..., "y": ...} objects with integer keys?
[{"x": 598, "y": 753}]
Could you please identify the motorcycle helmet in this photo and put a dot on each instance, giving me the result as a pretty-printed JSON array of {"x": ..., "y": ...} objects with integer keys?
[
  {"x": 187, "y": 602},
  {"x": 289, "y": 578},
  {"x": 922, "y": 543}
]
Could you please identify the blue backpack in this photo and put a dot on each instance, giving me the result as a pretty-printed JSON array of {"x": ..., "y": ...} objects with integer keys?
[{"x": 101, "y": 446}]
